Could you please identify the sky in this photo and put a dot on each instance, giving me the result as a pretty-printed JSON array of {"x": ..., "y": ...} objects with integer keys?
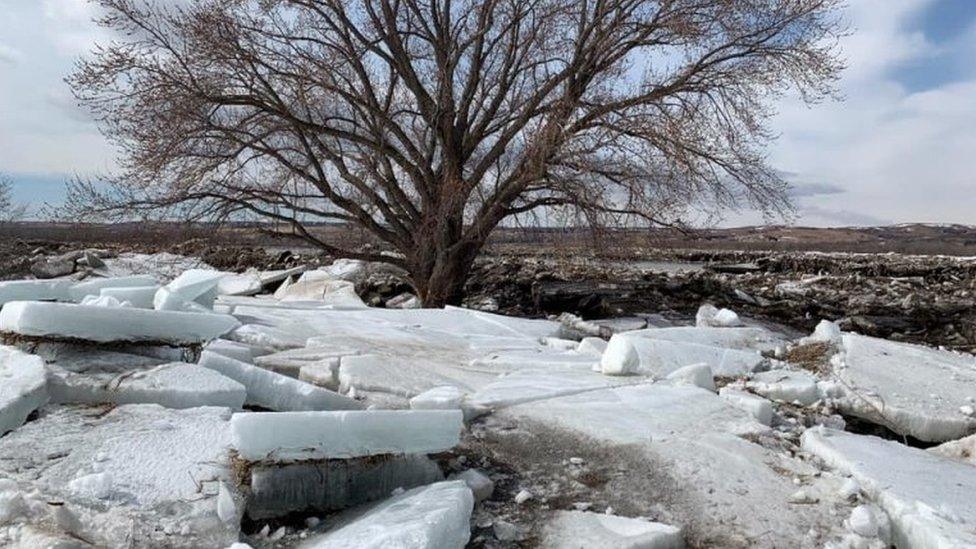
[{"x": 899, "y": 148}]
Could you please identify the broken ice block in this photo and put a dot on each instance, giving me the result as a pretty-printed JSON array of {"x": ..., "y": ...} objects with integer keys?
[
  {"x": 786, "y": 386},
  {"x": 481, "y": 485},
  {"x": 197, "y": 286},
  {"x": 634, "y": 352},
  {"x": 602, "y": 531},
  {"x": 293, "y": 436},
  {"x": 430, "y": 517},
  {"x": 94, "y": 287},
  {"x": 699, "y": 375},
  {"x": 759, "y": 407},
  {"x": 22, "y": 387},
  {"x": 174, "y": 385},
  {"x": 930, "y": 509},
  {"x": 34, "y": 290},
  {"x": 438, "y": 398},
  {"x": 231, "y": 349},
  {"x": 102, "y": 324},
  {"x": 138, "y": 296},
  {"x": 335, "y": 484},
  {"x": 275, "y": 391}
]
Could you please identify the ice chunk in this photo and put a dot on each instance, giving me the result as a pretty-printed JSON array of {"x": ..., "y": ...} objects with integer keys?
[
  {"x": 710, "y": 317},
  {"x": 337, "y": 293},
  {"x": 963, "y": 449},
  {"x": 531, "y": 385},
  {"x": 94, "y": 287},
  {"x": 825, "y": 332},
  {"x": 431, "y": 517},
  {"x": 291, "y": 361},
  {"x": 324, "y": 373},
  {"x": 231, "y": 349},
  {"x": 275, "y": 391},
  {"x": 138, "y": 296},
  {"x": 133, "y": 473},
  {"x": 292, "y": 436},
  {"x": 174, "y": 385},
  {"x": 438, "y": 398},
  {"x": 406, "y": 376},
  {"x": 602, "y": 531},
  {"x": 101, "y": 324},
  {"x": 786, "y": 386},
  {"x": 759, "y": 407},
  {"x": 481, "y": 485},
  {"x": 739, "y": 339},
  {"x": 926, "y": 510},
  {"x": 34, "y": 290},
  {"x": 911, "y": 389},
  {"x": 103, "y": 301},
  {"x": 23, "y": 387},
  {"x": 268, "y": 337},
  {"x": 332, "y": 485},
  {"x": 630, "y": 353},
  {"x": 592, "y": 346},
  {"x": 699, "y": 375},
  {"x": 248, "y": 283}
]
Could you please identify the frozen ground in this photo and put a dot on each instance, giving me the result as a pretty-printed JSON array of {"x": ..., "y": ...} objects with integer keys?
[{"x": 169, "y": 404}]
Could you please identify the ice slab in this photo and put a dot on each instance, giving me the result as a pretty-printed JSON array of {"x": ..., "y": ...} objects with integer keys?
[
  {"x": 540, "y": 357},
  {"x": 911, "y": 389},
  {"x": 601, "y": 531},
  {"x": 927, "y": 497},
  {"x": 531, "y": 385},
  {"x": 332, "y": 485},
  {"x": 290, "y": 362},
  {"x": 406, "y": 376},
  {"x": 174, "y": 385},
  {"x": 963, "y": 449},
  {"x": 699, "y": 375},
  {"x": 132, "y": 476},
  {"x": 23, "y": 387},
  {"x": 430, "y": 517},
  {"x": 338, "y": 294},
  {"x": 629, "y": 353},
  {"x": 759, "y": 407},
  {"x": 789, "y": 386},
  {"x": 592, "y": 346},
  {"x": 275, "y": 391},
  {"x": 481, "y": 485},
  {"x": 104, "y": 325},
  {"x": 438, "y": 398},
  {"x": 34, "y": 290},
  {"x": 231, "y": 349},
  {"x": 293, "y": 436},
  {"x": 324, "y": 373},
  {"x": 138, "y": 296},
  {"x": 740, "y": 339},
  {"x": 710, "y": 316},
  {"x": 94, "y": 287}
]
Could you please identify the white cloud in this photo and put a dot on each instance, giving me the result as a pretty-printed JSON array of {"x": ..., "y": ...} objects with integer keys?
[{"x": 899, "y": 155}]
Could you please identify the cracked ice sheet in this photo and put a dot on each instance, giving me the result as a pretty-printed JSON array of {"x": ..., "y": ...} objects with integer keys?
[
  {"x": 23, "y": 387},
  {"x": 723, "y": 490},
  {"x": 138, "y": 475},
  {"x": 533, "y": 384},
  {"x": 919, "y": 389},
  {"x": 928, "y": 498}
]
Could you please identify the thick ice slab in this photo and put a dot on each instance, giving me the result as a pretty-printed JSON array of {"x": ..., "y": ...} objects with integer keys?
[
  {"x": 447, "y": 397},
  {"x": 94, "y": 287},
  {"x": 928, "y": 498},
  {"x": 138, "y": 296},
  {"x": 406, "y": 376},
  {"x": 740, "y": 339},
  {"x": 332, "y": 485},
  {"x": 911, "y": 389},
  {"x": 757, "y": 406},
  {"x": 132, "y": 476},
  {"x": 23, "y": 387},
  {"x": 292, "y": 436},
  {"x": 231, "y": 349},
  {"x": 790, "y": 386},
  {"x": 34, "y": 290},
  {"x": 531, "y": 385},
  {"x": 292, "y": 361},
  {"x": 629, "y": 353},
  {"x": 105, "y": 325},
  {"x": 174, "y": 385},
  {"x": 275, "y": 391},
  {"x": 682, "y": 448},
  {"x": 600, "y": 531},
  {"x": 430, "y": 517}
]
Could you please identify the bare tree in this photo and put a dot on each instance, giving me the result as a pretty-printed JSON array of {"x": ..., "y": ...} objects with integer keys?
[
  {"x": 430, "y": 122},
  {"x": 9, "y": 210}
]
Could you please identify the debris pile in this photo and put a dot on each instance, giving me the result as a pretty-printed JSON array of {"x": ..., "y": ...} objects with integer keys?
[{"x": 204, "y": 408}]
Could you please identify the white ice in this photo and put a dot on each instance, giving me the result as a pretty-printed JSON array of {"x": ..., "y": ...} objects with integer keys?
[
  {"x": 137, "y": 296},
  {"x": 447, "y": 397},
  {"x": 135, "y": 475},
  {"x": 429, "y": 517},
  {"x": 94, "y": 287},
  {"x": 632, "y": 352},
  {"x": 601, "y": 531},
  {"x": 23, "y": 387},
  {"x": 173, "y": 385},
  {"x": 709, "y": 316},
  {"x": 481, "y": 484},
  {"x": 275, "y": 391},
  {"x": 293, "y": 436},
  {"x": 698, "y": 375},
  {"x": 911, "y": 389},
  {"x": 759, "y": 407},
  {"x": 34, "y": 290},
  {"x": 101, "y": 324},
  {"x": 788, "y": 386},
  {"x": 928, "y": 498}
]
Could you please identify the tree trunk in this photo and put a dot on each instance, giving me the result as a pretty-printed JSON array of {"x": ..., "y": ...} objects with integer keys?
[{"x": 439, "y": 278}]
